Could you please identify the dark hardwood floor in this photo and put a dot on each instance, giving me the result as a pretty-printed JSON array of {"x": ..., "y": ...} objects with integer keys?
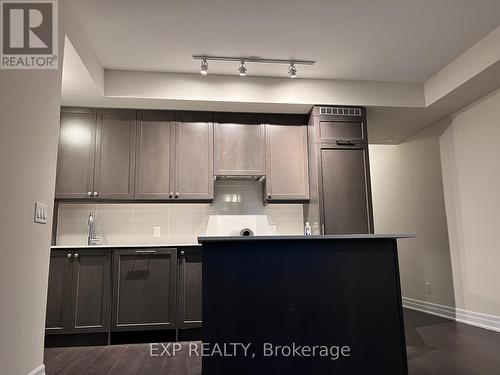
[
  {"x": 435, "y": 346},
  {"x": 440, "y": 346}
]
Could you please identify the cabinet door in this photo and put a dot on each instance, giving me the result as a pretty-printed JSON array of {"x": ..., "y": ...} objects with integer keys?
[
  {"x": 90, "y": 298},
  {"x": 345, "y": 190},
  {"x": 75, "y": 161},
  {"x": 154, "y": 155},
  {"x": 330, "y": 130},
  {"x": 239, "y": 145},
  {"x": 59, "y": 292},
  {"x": 287, "y": 172},
  {"x": 115, "y": 155},
  {"x": 190, "y": 288},
  {"x": 194, "y": 157},
  {"x": 340, "y": 125},
  {"x": 144, "y": 289}
]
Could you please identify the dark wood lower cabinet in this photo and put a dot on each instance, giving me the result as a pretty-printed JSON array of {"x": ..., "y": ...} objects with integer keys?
[
  {"x": 98, "y": 291},
  {"x": 189, "y": 288},
  {"x": 144, "y": 289},
  {"x": 59, "y": 292},
  {"x": 78, "y": 298},
  {"x": 90, "y": 305}
]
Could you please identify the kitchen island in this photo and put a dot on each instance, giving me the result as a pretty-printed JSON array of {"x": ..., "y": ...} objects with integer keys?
[{"x": 302, "y": 305}]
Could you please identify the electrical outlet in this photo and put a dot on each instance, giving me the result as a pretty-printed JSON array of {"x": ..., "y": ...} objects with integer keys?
[
  {"x": 428, "y": 288},
  {"x": 41, "y": 213},
  {"x": 156, "y": 231}
]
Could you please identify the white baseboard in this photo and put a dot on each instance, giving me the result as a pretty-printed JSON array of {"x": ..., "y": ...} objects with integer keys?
[
  {"x": 491, "y": 322},
  {"x": 40, "y": 370}
]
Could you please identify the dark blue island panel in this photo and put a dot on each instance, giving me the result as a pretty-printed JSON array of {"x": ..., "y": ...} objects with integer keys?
[{"x": 302, "y": 305}]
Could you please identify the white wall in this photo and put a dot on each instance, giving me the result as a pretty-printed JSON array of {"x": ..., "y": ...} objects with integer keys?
[
  {"x": 29, "y": 108},
  {"x": 408, "y": 197},
  {"x": 444, "y": 185},
  {"x": 188, "y": 86},
  {"x": 470, "y": 153},
  {"x": 482, "y": 55}
]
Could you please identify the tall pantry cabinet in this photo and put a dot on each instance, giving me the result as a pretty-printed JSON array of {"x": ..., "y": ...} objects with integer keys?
[{"x": 340, "y": 201}]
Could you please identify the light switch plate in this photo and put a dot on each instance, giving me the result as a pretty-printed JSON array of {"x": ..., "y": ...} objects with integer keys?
[
  {"x": 156, "y": 231},
  {"x": 428, "y": 288},
  {"x": 41, "y": 213}
]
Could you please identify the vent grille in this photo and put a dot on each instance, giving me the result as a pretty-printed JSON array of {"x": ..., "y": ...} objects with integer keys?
[{"x": 343, "y": 111}]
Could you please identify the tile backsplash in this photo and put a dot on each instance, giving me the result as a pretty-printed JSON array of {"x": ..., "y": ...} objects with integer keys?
[{"x": 134, "y": 223}]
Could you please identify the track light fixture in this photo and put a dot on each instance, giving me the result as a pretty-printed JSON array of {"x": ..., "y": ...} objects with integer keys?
[
  {"x": 292, "y": 69},
  {"x": 242, "y": 69},
  {"x": 204, "y": 67}
]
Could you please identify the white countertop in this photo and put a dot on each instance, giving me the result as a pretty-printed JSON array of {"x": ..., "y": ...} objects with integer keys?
[
  {"x": 239, "y": 238},
  {"x": 122, "y": 246}
]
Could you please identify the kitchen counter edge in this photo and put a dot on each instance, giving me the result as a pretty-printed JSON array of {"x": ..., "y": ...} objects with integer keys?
[
  {"x": 55, "y": 247},
  {"x": 300, "y": 238}
]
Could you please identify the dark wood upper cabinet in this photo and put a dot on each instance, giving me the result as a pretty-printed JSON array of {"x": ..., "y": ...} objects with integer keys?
[
  {"x": 287, "y": 172},
  {"x": 189, "y": 288},
  {"x": 96, "y": 156},
  {"x": 124, "y": 155},
  {"x": 155, "y": 143},
  {"x": 115, "y": 154},
  {"x": 239, "y": 145},
  {"x": 59, "y": 292},
  {"x": 90, "y": 303},
  {"x": 78, "y": 296},
  {"x": 341, "y": 125},
  {"x": 194, "y": 156},
  {"x": 144, "y": 289},
  {"x": 174, "y": 156},
  {"x": 75, "y": 161},
  {"x": 345, "y": 190},
  {"x": 340, "y": 130}
]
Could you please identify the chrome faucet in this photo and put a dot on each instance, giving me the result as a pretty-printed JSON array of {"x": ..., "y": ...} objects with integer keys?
[{"x": 92, "y": 239}]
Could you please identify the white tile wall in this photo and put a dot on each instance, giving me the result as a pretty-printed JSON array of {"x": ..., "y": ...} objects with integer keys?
[{"x": 133, "y": 223}]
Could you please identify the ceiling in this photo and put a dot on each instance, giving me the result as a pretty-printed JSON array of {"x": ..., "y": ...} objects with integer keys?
[{"x": 383, "y": 40}]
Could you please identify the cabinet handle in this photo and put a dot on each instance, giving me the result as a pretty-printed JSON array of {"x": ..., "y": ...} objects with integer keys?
[
  {"x": 171, "y": 195},
  {"x": 96, "y": 193},
  {"x": 182, "y": 253},
  {"x": 323, "y": 229},
  {"x": 177, "y": 194},
  {"x": 69, "y": 255},
  {"x": 89, "y": 193},
  {"x": 76, "y": 255},
  {"x": 344, "y": 142},
  {"x": 145, "y": 251},
  {"x": 269, "y": 195}
]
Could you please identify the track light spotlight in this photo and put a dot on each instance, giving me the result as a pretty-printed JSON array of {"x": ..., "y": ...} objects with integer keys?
[
  {"x": 242, "y": 69},
  {"x": 204, "y": 67},
  {"x": 243, "y": 60}
]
